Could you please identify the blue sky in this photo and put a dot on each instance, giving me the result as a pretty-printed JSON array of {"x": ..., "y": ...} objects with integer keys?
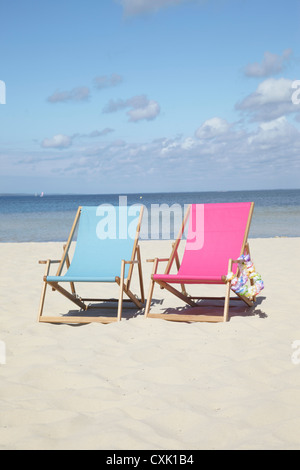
[{"x": 123, "y": 96}]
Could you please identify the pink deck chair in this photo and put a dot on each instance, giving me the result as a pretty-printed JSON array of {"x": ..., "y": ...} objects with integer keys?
[{"x": 216, "y": 237}]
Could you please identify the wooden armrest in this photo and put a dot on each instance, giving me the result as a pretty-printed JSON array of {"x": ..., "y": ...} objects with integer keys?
[
  {"x": 158, "y": 259},
  {"x": 51, "y": 261}
]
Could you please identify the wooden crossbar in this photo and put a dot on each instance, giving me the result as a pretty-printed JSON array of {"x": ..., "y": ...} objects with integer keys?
[
  {"x": 180, "y": 317},
  {"x": 79, "y": 319}
]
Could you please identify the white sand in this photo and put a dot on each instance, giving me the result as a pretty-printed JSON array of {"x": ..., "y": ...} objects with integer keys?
[{"x": 150, "y": 384}]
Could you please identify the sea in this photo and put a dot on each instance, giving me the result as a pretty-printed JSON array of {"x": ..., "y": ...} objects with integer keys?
[{"x": 49, "y": 217}]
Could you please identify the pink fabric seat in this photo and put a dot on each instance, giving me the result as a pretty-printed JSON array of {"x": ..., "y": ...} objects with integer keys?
[
  {"x": 216, "y": 233},
  {"x": 216, "y": 237}
]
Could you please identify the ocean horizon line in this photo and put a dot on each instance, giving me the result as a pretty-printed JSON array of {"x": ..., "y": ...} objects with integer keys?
[{"x": 146, "y": 192}]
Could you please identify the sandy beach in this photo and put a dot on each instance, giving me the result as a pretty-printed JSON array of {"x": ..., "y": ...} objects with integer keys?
[{"x": 150, "y": 384}]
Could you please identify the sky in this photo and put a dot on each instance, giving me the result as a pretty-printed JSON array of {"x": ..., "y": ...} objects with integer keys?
[{"x": 131, "y": 96}]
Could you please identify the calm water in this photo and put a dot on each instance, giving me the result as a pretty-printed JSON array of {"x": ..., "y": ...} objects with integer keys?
[{"x": 49, "y": 218}]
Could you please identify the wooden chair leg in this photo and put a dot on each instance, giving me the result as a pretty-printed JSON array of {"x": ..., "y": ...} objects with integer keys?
[
  {"x": 72, "y": 286},
  {"x": 151, "y": 288},
  {"x": 140, "y": 275},
  {"x": 44, "y": 290},
  {"x": 120, "y": 304},
  {"x": 227, "y": 300},
  {"x": 227, "y": 295},
  {"x": 183, "y": 289}
]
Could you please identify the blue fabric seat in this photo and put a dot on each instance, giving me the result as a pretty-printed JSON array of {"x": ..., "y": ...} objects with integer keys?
[{"x": 99, "y": 259}]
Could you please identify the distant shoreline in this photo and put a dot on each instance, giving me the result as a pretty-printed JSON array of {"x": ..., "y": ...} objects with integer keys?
[{"x": 34, "y": 194}]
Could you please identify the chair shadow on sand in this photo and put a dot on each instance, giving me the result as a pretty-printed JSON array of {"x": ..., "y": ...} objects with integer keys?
[
  {"x": 206, "y": 307},
  {"x": 214, "y": 307},
  {"x": 108, "y": 308}
]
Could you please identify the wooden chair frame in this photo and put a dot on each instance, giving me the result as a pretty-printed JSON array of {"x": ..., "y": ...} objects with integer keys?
[
  {"x": 190, "y": 300},
  {"x": 124, "y": 285}
]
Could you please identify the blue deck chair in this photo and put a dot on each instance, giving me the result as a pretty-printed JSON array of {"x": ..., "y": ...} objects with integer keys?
[{"x": 106, "y": 251}]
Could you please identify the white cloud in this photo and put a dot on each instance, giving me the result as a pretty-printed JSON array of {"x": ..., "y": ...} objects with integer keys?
[
  {"x": 278, "y": 132},
  {"x": 75, "y": 95},
  {"x": 276, "y": 125},
  {"x": 138, "y": 101},
  {"x": 82, "y": 93},
  {"x": 189, "y": 143},
  {"x": 149, "y": 111},
  {"x": 271, "y": 91},
  {"x": 141, "y": 108},
  {"x": 212, "y": 128},
  {"x": 105, "y": 81},
  {"x": 270, "y": 151},
  {"x": 272, "y": 99},
  {"x": 115, "y": 105},
  {"x": 272, "y": 148},
  {"x": 266, "y": 156},
  {"x": 136, "y": 7},
  {"x": 58, "y": 141},
  {"x": 271, "y": 64},
  {"x": 97, "y": 133}
]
